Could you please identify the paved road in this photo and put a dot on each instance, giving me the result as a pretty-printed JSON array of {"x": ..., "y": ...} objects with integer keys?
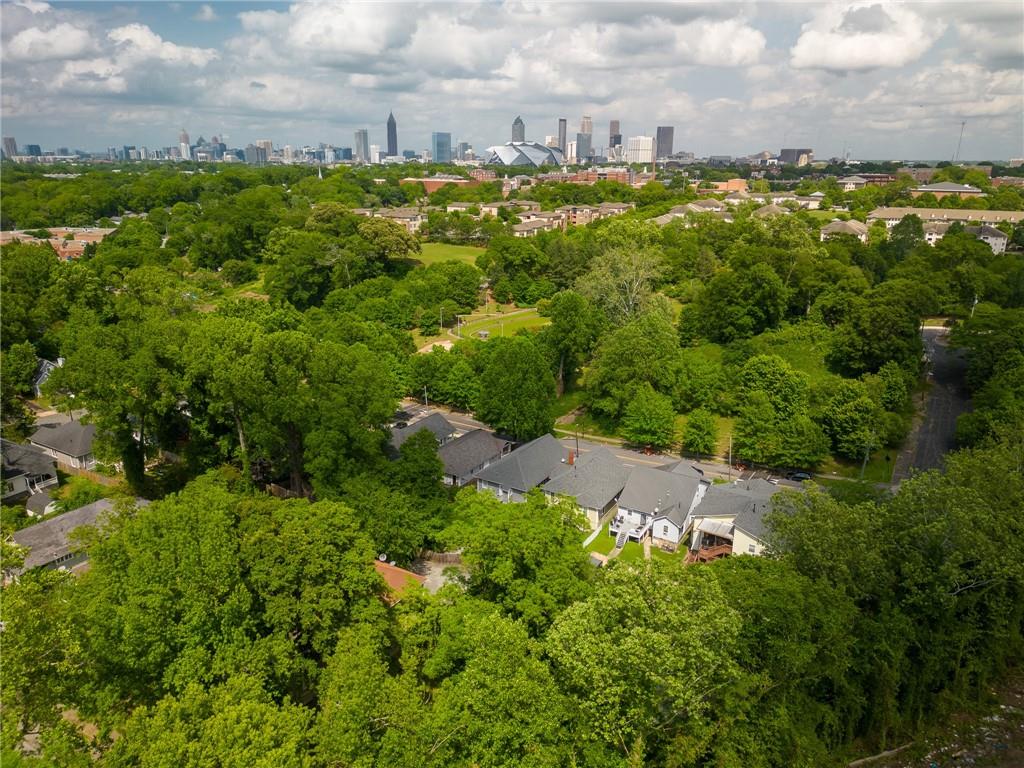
[{"x": 947, "y": 398}]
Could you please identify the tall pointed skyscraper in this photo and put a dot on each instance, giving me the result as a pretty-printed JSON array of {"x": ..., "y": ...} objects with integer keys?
[
  {"x": 392, "y": 135},
  {"x": 518, "y": 129}
]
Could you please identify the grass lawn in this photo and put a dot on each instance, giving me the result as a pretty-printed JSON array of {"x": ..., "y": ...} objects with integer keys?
[
  {"x": 825, "y": 216},
  {"x": 587, "y": 424},
  {"x": 432, "y": 253},
  {"x": 802, "y": 346},
  {"x": 250, "y": 290},
  {"x": 852, "y": 491},
  {"x": 631, "y": 553},
  {"x": 569, "y": 401},
  {"x": 878, "y": 469},
  {"x": 603, "y": 543},
  {"x": 657, "y": 553},
  {"x": 505, "y": 324}
]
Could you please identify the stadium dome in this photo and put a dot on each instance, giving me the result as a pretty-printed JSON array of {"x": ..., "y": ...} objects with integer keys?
[{"x": 524, "y": 153}]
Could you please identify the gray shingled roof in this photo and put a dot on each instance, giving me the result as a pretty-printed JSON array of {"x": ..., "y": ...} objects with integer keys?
[
  {"x": 72, "y": 438},
  {"x": 464, "y": 454},
  {"x": 593, "y": 480},
  {"x": 747, "y": 502},
  {"x": 48, "y": 541},
  {"x": 661, "y": 491},
  {"x": 21, "y": 459},
  {"x": 435, "y": 422},
  {"x": 37, "y": 503},
  {"x": 528, "y": 466}
]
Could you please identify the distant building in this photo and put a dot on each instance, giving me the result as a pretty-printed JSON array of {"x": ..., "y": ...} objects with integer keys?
[
  {"x": 362, "y": 146},
  {"x": 463, "y": 150},
  {"x": 441, "y": 147},
  {"x": 797, "y": 157},
  {"x": 853, "y": 228},
  {"x": 10, "y": 147},
  {"x": 614, "y": 134},
  {"x": 583, "y": 147},
  {"x": 526, "y": 153},
  {"x": 586, "y": 125},
  {"x": 392, "y": 135},
  {"x": 640, "y": 149},
  {"x": 518, "y": 129},
  {"x": 663, "y": 140},
  {"x": 893, "y": 216},
  {"x": 255, "y": 155},
  {"x": 561, "y": 134},
  {"x": 944, "y": 188},
  {"x": 33, "y": 150}
]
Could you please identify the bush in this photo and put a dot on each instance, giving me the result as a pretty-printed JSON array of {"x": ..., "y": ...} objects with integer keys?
[{"x": 237, "y": 272}]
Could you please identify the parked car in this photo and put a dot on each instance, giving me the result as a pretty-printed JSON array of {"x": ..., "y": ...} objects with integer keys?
[{"x": 798, "y": 476}]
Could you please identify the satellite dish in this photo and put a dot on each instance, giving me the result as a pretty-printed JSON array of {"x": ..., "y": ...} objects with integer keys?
[{"x": 382, "y": 557}]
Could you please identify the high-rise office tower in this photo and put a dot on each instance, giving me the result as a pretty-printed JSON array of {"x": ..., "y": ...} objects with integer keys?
[
  {"x": 561, "y": 134},
  {"x": 10, "y": 146},
  {"x": 640, "y": 149},
  {"x": 183, "y": 137},
  {"x": 441, "y": 147},
  {"x": 518, "y": 129},
  {"x": 583, "y": 147},
  {"x": 184, "y": 145},
  {"x": 663, "y": 140},
  {"x": 361, "y": 151},
  {"x": 392, "y": 135},
  {"x": 586, "y": 125},
  {"x": 266, "y": 145},
  {"x": 614, "y": 134},
  {"x": 463, "y": 150}
]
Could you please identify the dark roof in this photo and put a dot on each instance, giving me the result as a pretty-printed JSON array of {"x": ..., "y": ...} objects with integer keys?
[
  {"x": 663, "y": 492},
  {"x": 435, "y": 422},
  {"x": 986, "y": 231},
  {"x": 43, "y": 370},
  {"x": 38, "y": 502},
  {"x": 72, "y": 438},
  {"x": 528, "y": 466},
  {"x": 593, "y": 480},
  {"x": 747, "y": 502},
  {"x": 21, "y": 459},
  {"x": 48, "y": 541},
  {"x": 467, "y": 452}
]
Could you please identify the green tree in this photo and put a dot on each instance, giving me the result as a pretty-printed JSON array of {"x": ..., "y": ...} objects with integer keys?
[
  {"x": 737, "y": 304},
  {"x": 621, "y": 282},
  {"x": 649, "y": 419},
  {"x": 700, "y": 434},
  {"x": 785, "y": 388},
  {"x": 388, "y": 240},
  {"x": 572, "y": 334},
  {"x": 517, "y": 389}
]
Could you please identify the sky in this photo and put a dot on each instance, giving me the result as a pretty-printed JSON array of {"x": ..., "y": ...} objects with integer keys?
[{"x": 878, "y": 78}]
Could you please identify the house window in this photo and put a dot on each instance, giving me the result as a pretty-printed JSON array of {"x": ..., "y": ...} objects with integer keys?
[
  {"x": 664, "y": 530},
  {"x": 750, "y": 548}
]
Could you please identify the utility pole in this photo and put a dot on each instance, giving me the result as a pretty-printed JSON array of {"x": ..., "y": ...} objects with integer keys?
[
  {"x": 730, "y": 457},
  {"x": 867, "y": 453}
]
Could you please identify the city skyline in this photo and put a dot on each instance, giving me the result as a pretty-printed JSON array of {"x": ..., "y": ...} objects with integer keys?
[{"x": 882, "y": 80}]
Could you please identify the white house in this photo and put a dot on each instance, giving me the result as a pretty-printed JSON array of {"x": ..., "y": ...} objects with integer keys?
[{"x": 69, "y": 443}]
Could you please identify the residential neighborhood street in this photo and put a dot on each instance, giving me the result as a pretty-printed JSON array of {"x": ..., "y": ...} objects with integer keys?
[{"x": 947, "y": 398}]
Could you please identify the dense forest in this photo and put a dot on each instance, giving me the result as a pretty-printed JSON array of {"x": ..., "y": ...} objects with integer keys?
[{"x": 250, "y": 328}]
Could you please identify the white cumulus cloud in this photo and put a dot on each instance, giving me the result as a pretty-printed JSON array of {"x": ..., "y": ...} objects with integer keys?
[
  {"x": 62, "y": 41},
  {"x": 864, "y": 35}
]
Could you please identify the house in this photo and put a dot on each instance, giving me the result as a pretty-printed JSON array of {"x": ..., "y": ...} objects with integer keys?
[
  {"x": 809, "y": 202},
  {"x": 410, "y": 218},
  {"x": 27, "y": 470},
  {"x": 69, "y": 443},
  {"x": 769, "y": 210},
  {"x": 531, "y": 228},
  {"x": 709, "y": 204},
  {"x": 736, "y": 198},
  {"x": 43, "y": 370},
  {"x": 50, "y": 544},
  {"x": 580, "y": 214},
  {"x": 469, "y": 453},
  {"x": 893, "y": 216},
  {"x": 512, "y": 476},
  {"x": 944, "y": 188},
  {"x": 615, "y": 209},
  {"x": 730, "y": 520},
  {"x": 594, "y": 480},
  {"x": 852, "y": 228},
  {"x": 657, "y": 501},
  {"x": 850, "y": 183},
  {"x": 994, "y": 238},
  {"x": 493, "y": 209},
  {"x": 934, "y": 231},
  {"x": 40, "y": 504},
  {"x": 443, "y": 430},
  {"x": 398, "y": 580}
]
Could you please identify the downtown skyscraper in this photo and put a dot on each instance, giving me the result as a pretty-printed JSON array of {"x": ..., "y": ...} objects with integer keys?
[
  {"x": 392, "y": 135},
  {"x": 561, "y": 133},
  {"x": 663, "y": 140},
  {"x": 441, "y": 147},
  {"x": 614, "y": 134},
  {"x": 362, "y": 146},
  {"x": 518, "y": 129}
]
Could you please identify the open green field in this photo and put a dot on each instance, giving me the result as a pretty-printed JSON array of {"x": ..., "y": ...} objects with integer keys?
[
  {"x": 802, "y": 346},
  {"x": 432, "y": 253},
  {"x": 878, "y": 470},
  {"x": 504, "y": 325}
]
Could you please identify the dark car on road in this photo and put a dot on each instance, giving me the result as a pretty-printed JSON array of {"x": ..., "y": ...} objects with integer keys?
[{"x": 798, "y": 476}]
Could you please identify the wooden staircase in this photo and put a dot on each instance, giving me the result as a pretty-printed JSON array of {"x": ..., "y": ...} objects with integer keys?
[{"x": 707, "y": 554}]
